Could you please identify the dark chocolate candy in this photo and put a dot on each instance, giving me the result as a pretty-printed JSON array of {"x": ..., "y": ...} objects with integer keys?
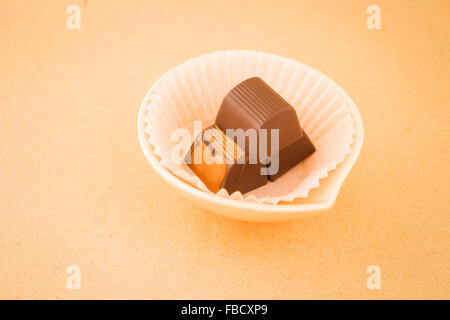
[
  {"x": 221, "y": 163},
  {"x": 253, "y": 104},
  {"x": 293, "y": 154}
]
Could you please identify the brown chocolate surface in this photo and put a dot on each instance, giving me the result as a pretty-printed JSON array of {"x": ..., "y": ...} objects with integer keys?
[
  {"x": 253, "y": 104},
  {"x": 293, "y": 154}
]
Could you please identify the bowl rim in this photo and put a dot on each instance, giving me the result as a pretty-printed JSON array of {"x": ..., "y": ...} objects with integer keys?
[{"x": 192, "y": 191}]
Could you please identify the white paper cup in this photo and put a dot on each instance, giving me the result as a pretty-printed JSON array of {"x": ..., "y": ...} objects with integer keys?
[{"x": 195, "y": 89}]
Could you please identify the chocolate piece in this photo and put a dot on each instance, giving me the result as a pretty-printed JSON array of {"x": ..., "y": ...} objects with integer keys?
[
  {"x": 233, "y": 153},
  {"x": 253, "y": 104},
  {"x": 293, "y": 154},
  {"x": 221, "y": 163}
]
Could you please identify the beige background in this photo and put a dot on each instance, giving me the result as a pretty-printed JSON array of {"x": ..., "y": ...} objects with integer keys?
[{"x": 75, "y": 188}]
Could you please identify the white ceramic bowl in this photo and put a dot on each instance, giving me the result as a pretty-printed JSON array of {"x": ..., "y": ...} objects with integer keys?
[{"x": 319, "y": 199}]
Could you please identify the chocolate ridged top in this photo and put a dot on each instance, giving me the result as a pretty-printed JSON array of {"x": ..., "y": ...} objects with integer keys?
[
  {"x": 253, "y": 104},
  {"x": 259, "y": 103}
]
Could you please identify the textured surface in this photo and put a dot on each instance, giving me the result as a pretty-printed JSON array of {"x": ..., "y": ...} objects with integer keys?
[{"x": 76, "y": 189}]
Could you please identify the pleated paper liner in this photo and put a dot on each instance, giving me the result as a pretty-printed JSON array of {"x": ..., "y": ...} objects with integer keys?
[{"x": 195, "y": 89}]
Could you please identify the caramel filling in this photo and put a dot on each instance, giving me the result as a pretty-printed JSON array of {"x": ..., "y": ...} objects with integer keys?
[{"x": 216, "y": 152}]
